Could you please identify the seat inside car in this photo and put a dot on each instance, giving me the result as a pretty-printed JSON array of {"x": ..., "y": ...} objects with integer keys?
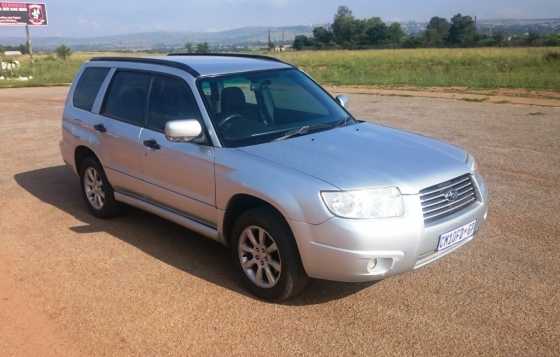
[{"x": 233, "y": 101}]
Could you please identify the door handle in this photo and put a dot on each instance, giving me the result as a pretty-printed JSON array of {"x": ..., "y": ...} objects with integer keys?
[
  {"x": 152, "y": 144},
  {"x": 100, "y": 128}
]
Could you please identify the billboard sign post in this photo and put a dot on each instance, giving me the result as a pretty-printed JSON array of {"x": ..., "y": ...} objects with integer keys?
[{"x": 23, "y": 14}]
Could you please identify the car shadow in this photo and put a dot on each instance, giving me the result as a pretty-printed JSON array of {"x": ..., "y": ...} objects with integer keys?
[{"x": 161, "y": 239}]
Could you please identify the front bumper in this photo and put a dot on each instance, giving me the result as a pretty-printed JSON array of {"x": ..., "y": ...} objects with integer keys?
[{"x": 341, "y": 249}]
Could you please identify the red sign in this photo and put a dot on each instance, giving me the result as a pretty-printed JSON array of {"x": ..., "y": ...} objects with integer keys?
[{"x": 20, "y": 13}]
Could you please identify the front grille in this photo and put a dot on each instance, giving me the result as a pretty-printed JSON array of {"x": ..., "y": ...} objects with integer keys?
[{"x": 447, "y": 198}]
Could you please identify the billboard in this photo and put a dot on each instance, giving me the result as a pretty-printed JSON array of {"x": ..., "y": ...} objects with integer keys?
[{"x": 21, "y": 14}]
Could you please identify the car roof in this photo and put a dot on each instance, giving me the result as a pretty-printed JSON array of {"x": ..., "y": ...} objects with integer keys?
[{"x": 208, "y": 64}]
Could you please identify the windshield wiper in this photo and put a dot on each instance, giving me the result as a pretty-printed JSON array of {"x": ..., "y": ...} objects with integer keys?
[
  {"x": 306, "y": 129},
  {"x": 293, "y": 133}
]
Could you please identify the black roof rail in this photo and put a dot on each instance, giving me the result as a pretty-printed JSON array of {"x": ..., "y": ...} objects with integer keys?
[
  {"x": 157, "y": 61},
  {"x": 230, "y": 54}
]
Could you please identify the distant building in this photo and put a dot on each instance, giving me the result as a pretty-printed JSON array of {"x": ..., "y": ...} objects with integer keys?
[{"x": 12, "y": 53}]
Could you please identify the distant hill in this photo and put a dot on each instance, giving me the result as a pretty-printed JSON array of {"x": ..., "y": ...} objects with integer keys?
[
  {"x": 249, "y": 36},
  {"x": 245, "y": 36}
]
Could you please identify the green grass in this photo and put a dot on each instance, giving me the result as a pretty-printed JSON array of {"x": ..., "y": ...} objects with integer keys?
[
  {"x": 45, "y": 71},
  {"x": 49, "y": 70},
  {"x": 485, "y": 68},
  {"x": 488, "y": 68}
]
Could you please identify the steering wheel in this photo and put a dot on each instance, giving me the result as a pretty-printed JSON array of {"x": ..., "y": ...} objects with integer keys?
[{"x": 230, "y": 118}]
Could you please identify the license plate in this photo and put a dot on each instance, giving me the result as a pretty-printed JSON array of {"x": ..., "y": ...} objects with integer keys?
[{"x": 456, "y": 236}]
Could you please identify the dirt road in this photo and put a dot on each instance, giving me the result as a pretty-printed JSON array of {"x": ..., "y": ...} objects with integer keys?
[{"x": 74, "y": 285}]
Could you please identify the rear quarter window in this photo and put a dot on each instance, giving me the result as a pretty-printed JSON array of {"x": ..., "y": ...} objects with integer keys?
[{"x": 88, "y": 86}]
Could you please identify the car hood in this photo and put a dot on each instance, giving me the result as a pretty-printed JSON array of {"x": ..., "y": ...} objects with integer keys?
[{"x": 367, "y": 155}]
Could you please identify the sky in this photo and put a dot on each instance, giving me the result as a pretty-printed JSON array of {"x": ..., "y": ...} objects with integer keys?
[{"x": 80, "y": 18}]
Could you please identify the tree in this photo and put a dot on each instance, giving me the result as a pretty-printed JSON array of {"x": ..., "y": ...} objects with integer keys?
[
  {"x": 63, "y": 52},
  {"x": 533, "y": 38},
  {"x": 486, "y": 41},
  {"x": 553, "y": 40},
  {"x": 395, "y": 34},
  {"x": 499, "y": 38},
  {"x": 322, "y": 36},
  {"x": 202, "y": 48},
  {"x": 462, "y": 32},
  {"x": 23, "y": 49},
  {"x": 437, "y": 32},
  {"x": 375, "y": 31},
  {"x": 344, "y": 27},
  {"x": 412, "y": 42},
  {"x": 302, "y": 42},
  {"x": 188, "y": 47}
]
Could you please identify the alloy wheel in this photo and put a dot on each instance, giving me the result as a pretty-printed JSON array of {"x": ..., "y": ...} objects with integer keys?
[
  {"x": 93, "y": 186},
  {"x": 259, "y": 257}
]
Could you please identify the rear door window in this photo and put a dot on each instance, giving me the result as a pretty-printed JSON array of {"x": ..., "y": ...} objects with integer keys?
[
  {"x": 170, "y": 99},
  {"x": 88, "y": 86},
  {"x": 127, "y": 97}
]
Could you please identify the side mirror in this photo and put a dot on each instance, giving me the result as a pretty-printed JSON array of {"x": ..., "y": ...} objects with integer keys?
[
  {"x": 343, "y": 100},
  {"x": 183, "y": 130}
]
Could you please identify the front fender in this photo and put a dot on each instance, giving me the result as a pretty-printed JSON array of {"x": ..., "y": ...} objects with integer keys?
[{"x": 294, "y": 194}]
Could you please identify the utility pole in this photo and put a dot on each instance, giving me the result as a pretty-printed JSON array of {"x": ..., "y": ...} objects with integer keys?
[
  {"x": 28, "y": 42},
  {"x": 269, "y": 41}
]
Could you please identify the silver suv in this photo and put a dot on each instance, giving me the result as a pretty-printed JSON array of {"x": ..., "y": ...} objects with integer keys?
[{"x": 251, "y": 152}]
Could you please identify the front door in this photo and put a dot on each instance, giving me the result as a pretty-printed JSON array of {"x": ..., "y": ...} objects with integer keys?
[{"x": 179, "y": 176}]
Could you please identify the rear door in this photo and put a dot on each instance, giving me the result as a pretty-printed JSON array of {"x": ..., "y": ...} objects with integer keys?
[
  {"x": 179, "y": 175},
  {"x": 80, "y": 112},
  {"x": 124, "y": 113}
]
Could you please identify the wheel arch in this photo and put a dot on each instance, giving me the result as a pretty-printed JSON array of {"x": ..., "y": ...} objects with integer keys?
[
  {"x": 80, "y": 153},
  {"x": 240, "y": 203}
]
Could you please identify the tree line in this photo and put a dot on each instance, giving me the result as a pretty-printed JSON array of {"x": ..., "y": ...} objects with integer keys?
[
  {"x": 348, "y": 32},
  {"x": 203, "y": 47},
  {"x": 21, "y": 48}
]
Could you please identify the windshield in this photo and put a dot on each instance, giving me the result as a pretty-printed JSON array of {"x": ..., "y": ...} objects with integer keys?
[{"x": 258, "y": 107}]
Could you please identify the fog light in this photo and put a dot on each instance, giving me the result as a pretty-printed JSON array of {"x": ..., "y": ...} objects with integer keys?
[
  {"x": 371, "y": 265},
  {"x": 485, "y": 215}
]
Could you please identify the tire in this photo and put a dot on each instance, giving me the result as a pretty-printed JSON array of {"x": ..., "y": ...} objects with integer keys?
[
  {"x": 285, "y": 277},
  {"x": 97, "y": 191}
]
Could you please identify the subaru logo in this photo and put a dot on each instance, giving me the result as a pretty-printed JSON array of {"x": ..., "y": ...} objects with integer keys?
[{"x": 451, "y": 195}]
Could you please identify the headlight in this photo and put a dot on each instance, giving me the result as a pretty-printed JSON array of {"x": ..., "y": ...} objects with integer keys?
[
  {"x": 365, "y": 204},
  {"x": 471, "y": 162}
]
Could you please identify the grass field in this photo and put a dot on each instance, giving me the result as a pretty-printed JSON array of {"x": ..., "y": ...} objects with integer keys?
[
  {"x": 530, "y": 68},
  {"x": 49, "y": 70}
]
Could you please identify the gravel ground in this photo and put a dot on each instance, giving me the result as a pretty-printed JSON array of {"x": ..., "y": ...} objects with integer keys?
[{"x": 74, "y": 285}]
